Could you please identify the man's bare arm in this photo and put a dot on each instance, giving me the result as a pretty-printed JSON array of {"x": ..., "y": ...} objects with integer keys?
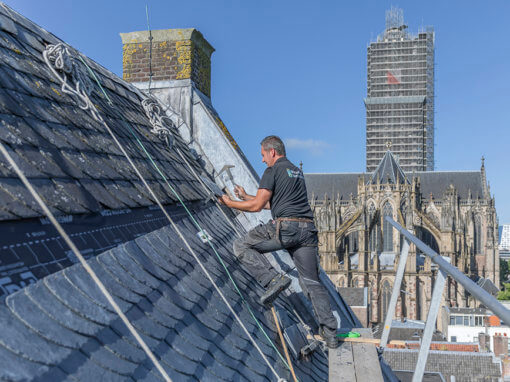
[
  {"x": 241, "y": 194},
  {"x": 256, "y": 204}
]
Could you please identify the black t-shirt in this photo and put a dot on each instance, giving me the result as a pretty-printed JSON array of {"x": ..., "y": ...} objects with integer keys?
[{"x": 287, "y": 183}]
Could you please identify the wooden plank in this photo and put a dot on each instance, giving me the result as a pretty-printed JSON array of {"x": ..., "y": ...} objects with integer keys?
[
  {"x": 375, "y": 341},
  {"x": 341, "y": 364},
  {"x": 366, "y": 362}
]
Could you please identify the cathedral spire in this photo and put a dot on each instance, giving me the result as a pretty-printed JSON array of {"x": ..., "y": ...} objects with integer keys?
[
  {"x": 485, "y": 187},
  {"x": 388, "y": 171}
]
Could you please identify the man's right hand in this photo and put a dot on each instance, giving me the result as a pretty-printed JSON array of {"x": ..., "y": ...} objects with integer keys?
[{"x": 240, "y": 192}]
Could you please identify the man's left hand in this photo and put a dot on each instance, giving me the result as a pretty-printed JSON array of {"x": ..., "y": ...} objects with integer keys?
[{"x": 224, "y": 199}]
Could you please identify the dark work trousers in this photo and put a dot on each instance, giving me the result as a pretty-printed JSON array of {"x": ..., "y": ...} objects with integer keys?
[{"x": 300, "y": 240}]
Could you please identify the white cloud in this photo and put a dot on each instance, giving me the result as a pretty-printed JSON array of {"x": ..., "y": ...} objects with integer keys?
[{"x": 313, "y": 146}]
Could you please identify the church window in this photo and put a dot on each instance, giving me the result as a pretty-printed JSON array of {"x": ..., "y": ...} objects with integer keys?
[
  {"x": 387, "y": 229},
  {"x": 385, "y": 298},
  {"x": 478, "y": 235},
  {"x": 372, "y": 241}
]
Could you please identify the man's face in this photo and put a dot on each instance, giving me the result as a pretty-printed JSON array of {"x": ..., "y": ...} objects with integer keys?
[{"x": 268, "y": 156}]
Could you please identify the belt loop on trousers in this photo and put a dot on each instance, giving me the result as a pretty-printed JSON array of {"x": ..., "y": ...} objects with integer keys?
[{"x": 280, "y": 220}]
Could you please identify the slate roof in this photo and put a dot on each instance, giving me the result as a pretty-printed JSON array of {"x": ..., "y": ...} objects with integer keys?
[
  {"x": 388, "y": 171},
  {"x": 431, "y": 182},
  {"x": 56, "y": 325},
  {"x": 354, "y": 296},
  {"x": 436, "y": 183},
  {"x": 332, "y": 185},
  {"x": 465, "y": 366}
]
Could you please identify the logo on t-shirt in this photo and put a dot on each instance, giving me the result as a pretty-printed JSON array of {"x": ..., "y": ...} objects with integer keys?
[{"x": 294, "y": 173}]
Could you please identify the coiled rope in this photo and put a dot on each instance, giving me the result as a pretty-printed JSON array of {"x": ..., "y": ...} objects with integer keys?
[{"x": 61, "y": 53}]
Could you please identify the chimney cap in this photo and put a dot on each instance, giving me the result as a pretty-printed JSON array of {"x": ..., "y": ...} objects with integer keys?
[{"x": 161, "y": 35}]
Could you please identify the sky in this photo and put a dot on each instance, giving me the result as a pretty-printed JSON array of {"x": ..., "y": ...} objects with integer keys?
[{"x": 297, "y": 69}]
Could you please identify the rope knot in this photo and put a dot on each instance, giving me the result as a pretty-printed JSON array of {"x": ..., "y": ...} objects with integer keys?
[
  {"x": 70, "y": 72},
  {"x": 162, "y": 126}
]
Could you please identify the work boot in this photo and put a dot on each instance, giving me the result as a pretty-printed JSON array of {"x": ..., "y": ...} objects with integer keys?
[
  {"x": 329, "y": 336},
  {"x": 276, "y": 286}
]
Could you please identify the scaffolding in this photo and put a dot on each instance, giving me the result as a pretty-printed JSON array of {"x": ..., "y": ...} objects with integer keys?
[{"x": 400, "y": 96}]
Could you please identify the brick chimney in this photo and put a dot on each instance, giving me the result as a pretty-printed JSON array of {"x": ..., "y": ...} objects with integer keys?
[
  {"x": 177, "y": 54},
  {"x": 500, "y": 344}
]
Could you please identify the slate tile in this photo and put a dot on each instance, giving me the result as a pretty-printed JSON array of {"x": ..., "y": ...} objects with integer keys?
[
  {"x": 135, "y": 253},
  {"x": 146, "y": 246},
  {"x": 101, "y": 194},
  {"x": 122, "y": 166},
  {"x": 142, "y": 322},
  {"x": 222, "y": 368},
  {"x": 119, "y": 327},
  {"x": 78, "y": 194},
  {"x": 114, "y": 189},
  {"x": 25, "y": 342},
  {"x": 16, "y": 368},
  {"x": 42, "y": 163},
  {"x": 167, "y": 248},
  {"x": 114, "y": 268},
  {"x": 32, "y": 316},
  {"x": 33, "y": 40},
  {"x": 143, "y": 374},
  {"x": 120, "y": 346},
  {"x": 181, "y": 294},
  {"x": 129, "y": 189},
  {"x": 173, "y": 359},
  {"x": 59, "y": 312},
  {"x": 7, "y": 25},
  {"x": 155, "y": 314},
  {"x": 5, "y": 215},
  {"x": 73, "y": 136},
  {"x": 104, "y": 171},
  {"x": 76, "y": 301},
  {"x": 46, "y": 132},
  {"x": 54, "y": 196},
  {"x": 34, "y": 106},
  {"x": 108, "y": 359},
  {"x": 103, "y": 143},
  {"x": 11, "y": 56},
  {"x": 23, "y": 201},
  {"x": 169, "y": 307},
  {"x": 23, "y": 131},
  {"x": 84, "y": 369},
  {"x": 25, "y": 166},
  {"x": 133, "y": 268},
  {"x": 112, "y": 284}
]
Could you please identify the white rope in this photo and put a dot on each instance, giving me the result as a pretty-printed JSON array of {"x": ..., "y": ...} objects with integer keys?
[
  {"x": 158, "y": 120},
  {"x": 89, "y": 106},
  {"x": 163, "y": 127},
  {"x": 83, "y": 262}
]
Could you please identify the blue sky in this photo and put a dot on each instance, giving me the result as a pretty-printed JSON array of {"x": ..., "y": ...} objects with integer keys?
[{"x": 298, "y": 69}]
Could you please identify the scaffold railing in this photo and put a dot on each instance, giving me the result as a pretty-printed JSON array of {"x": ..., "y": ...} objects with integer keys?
[{"x": 445, "y": 270}]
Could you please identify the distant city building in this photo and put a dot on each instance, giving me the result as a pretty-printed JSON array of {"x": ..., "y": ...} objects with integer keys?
[
  {"x": 400, "y": 96},
  {"x": 504, "y": 239},
  {"x": 471, "y": 324},
  {"x": 504, "y": 242}
]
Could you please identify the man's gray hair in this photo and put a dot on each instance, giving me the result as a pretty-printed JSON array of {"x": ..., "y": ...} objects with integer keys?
[{"x": 273, "y": 142}]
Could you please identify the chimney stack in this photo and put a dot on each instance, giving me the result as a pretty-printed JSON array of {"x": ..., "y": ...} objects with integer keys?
[
  {"x": 177, "y": 54},
  {"x": 500, "y": 344}
]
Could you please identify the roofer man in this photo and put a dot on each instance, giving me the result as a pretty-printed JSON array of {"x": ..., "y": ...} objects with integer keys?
[{"x": 282, "y": 189}]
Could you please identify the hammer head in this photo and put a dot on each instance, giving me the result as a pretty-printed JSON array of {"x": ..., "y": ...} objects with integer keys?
[{"x": 226, "y": 169}]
